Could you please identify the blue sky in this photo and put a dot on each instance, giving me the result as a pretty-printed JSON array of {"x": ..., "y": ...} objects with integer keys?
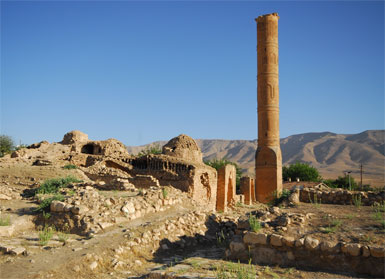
[{"x": 146, "y": 71}]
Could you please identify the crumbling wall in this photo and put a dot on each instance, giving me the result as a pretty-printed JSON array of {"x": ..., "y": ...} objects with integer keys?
[{"x": 226, "y": 187}]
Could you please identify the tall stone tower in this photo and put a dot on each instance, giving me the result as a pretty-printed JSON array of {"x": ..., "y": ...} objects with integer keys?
[{"x": 268, "y": 158}]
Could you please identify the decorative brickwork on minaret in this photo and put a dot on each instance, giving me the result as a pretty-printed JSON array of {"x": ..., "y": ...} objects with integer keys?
[{"x": 268, "y": 158}]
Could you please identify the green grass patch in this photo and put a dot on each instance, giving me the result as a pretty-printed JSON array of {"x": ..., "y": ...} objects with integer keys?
[
  {"x": 255, "y": 225},
  {"x": 164, "y": 193},
  {"x": 45, "y": 204},
  {"x": 45, "y": 235},
  {"x": 5, "y": 220},
  {"x": 52, "y": 186},
  {"x": 70, "y": 167}
]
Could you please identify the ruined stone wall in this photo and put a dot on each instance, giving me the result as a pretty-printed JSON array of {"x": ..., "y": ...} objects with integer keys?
[
  {"x": 198, "y": 179},
  {"x": 226, "y": 194},
  {"x": 340, "y": 196},
  {"x": 308, "y": 252},
  {"x": 247, "y": 189}
]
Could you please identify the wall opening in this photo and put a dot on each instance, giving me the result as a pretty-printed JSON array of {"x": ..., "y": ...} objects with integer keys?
[{"x": 88, "y": 149}]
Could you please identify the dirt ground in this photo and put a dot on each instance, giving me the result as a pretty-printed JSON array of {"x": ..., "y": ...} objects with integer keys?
[
  {"x": 345, "y": 223},
  {"x": 72, "y": 258}
]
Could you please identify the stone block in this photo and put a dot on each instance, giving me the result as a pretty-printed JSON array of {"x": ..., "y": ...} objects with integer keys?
[
  {"x": 353, "y": 249},
  {"x": 255, "y": 238},
  {"x": 311, "y": 243},
  {"x": 330, "y": 246},
  {"x": 377, "y": 252},
  {"x": 288, "y": 241},
  {"x": 276, "y": 240}
]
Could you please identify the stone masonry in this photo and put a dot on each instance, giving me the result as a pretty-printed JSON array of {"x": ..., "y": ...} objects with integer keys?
[
  {"x": 226, "y": 187},
  {"x": 268, "y": 158},
  {"x": 247, "y": 189}
]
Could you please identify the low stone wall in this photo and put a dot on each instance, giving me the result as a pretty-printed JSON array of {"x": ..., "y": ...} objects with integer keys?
[
  {"x": 340, "y": 196},
  {"x": 86, "y": 211},
  {"x": 308, "y": 252}
]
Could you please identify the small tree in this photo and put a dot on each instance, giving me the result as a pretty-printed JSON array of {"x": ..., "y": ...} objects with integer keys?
[
  {"x": 302, "y": 171},
  {"x": 153, "y": 149},
  {"x": 6, "y": 145},
  {"x": 219, "y": 163},
  {"x": 342, "y": 182}
]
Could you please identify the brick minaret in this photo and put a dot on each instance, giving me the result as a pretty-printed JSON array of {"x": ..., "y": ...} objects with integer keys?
[{"x": 268, "y": 158}]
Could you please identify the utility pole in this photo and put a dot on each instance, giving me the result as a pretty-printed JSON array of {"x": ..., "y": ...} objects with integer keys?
[{"x": 361, "y": 175}]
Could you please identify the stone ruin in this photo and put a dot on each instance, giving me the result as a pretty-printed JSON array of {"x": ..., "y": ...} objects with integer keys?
[
  {"x": 108, "y": 164},
  {"x": 180, "y": 165}
]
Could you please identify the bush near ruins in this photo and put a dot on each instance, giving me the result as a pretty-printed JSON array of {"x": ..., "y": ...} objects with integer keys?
[
  {"x": 302, "y": 171},
  {"x": 6, "y": 145},
  {"x": 342, "y": 182},
  {"x": 52, "y": 186},
  {"x": 153, "y": 149},
  {"x": 218, "y": 163}
]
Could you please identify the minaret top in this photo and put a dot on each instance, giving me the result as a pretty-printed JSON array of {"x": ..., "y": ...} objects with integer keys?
[{"x": 264, "y": 17}]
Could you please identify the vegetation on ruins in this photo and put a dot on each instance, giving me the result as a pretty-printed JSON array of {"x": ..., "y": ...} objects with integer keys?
[
  {"x": 5, "y": 220},
  {"x": 52, "y": 186},
  {"x": 303, "y": 171},
  {"x": 342, "y": 182},
  {"x": 70, "y": 167},
  {"x": 219, "y": 163},
  {"x": 45, "y": 235},
  {"x": 315, "y": 202},
  {"x": 379, "y": 213},
  {"x": 164, "y": 193},
  {"x": 236, "y": 270},
  {"x": 45, "y": 203},
  {"x": 6, "y": 145},
  {"x": 255, "y": 225},
  {"x": 153, "y": 149},
  {"x": 279, "y": 197}
]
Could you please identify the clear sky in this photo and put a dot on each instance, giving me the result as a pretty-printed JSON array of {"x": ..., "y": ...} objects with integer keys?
[{"x": 146, "y": 71}]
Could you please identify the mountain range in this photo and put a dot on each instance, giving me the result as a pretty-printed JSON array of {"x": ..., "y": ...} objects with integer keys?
[{"x": 332, "y": 154}]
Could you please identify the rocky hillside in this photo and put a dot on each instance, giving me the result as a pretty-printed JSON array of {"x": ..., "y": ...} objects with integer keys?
[{"x": 331, "y": 153}]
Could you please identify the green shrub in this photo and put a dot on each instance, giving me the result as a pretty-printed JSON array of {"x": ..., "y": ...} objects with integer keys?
[
  {"x": 279, "y": 197},
  {"x": 219, "y": 163},
  {"x": 5, "y": 221},
  {"x": 70, "y": 167},
  {"x": 164, "y": 193},
  {"x": 53, "y": 185},
  {"x": 255, "y": 225},
  {"x": 45, "y": 204},
  {"x": 343, "y": 182},
  {"x": 45, "y": 235},
  {"x": 315, "y": 201},
  {"x": 6, "y": 145},
  {"x": 302, "y": 171},
  {"x": 357, "y": 200},
  {"x": 153, "y": 149}
]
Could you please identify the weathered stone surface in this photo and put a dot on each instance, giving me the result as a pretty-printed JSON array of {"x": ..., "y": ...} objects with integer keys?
[
  {"x": 183, "y": 147},
  {"x": 288, "y": 241},
  {"x": 255, "y": 238},
  {"x": 237, "y": 246},
  {"x": 57, "y": 206},
  {"x": 93, "y": 265},
  {"x": 4, "y": 197},
  {"x": 353, "y": 249},
  {"x": 79, "y": 210},
  {"x": 299, "y": 242},
  {"x": 311, "y": 243},
  {"x": 378, "y": 252},
  {"x": 276, "y": 240},
  {"x": 17, "y": 251},
  {"x": 330, "y": 246},
  {"x": 74, "y": 137},
  {"x": 268, "y": 157},
  {"x": 365, "y": 251}
]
